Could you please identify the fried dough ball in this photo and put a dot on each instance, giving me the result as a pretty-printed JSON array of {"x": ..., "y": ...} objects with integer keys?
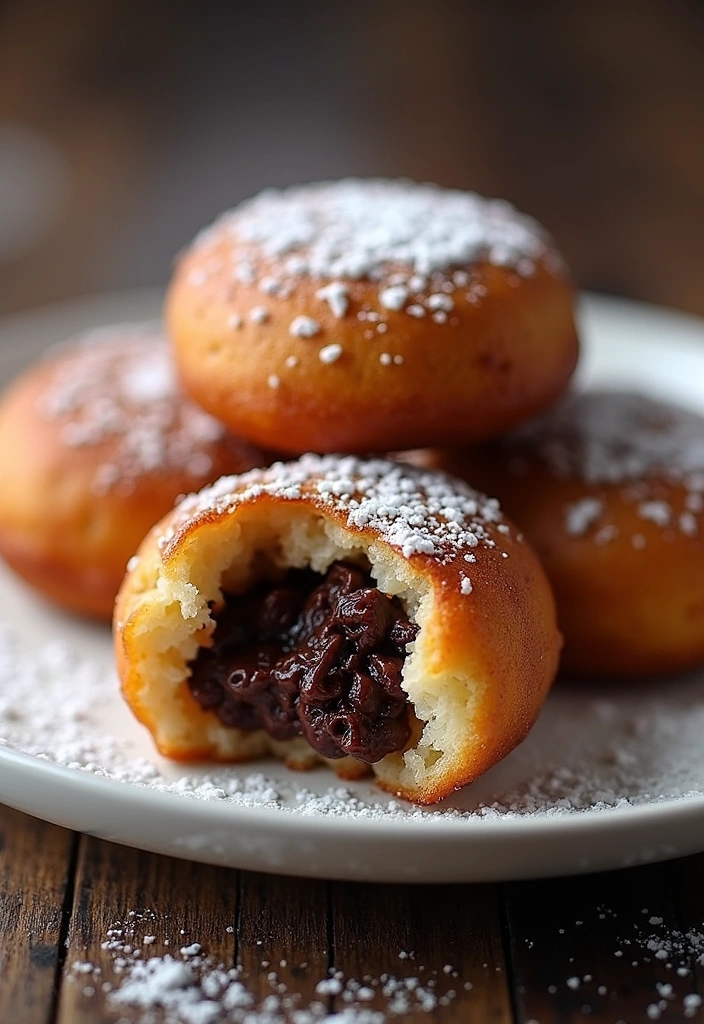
[
  {"x": 609, "y": 489},
  {"x": 372, "y": 316},
  {"x": 96, "y": 442},
  {"x": 353, "y": 611}
]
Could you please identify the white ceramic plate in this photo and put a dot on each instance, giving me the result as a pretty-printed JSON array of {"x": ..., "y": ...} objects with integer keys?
[{"x": 610, "y": 776}]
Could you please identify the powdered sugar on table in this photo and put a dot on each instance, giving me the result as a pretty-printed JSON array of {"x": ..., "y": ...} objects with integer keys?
[
  {"x": 161, "y": 974},
  {"x": 186, "y": 985}
]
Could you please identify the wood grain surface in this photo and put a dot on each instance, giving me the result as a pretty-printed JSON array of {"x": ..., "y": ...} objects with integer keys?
[
  {"x": 133, "y": 894},
  {"x": 599, "y": 948},
  {"x": 451, "y": 935},
  {"x": 294, "y": 953},
  {"x": 36, "y": 879},
  {"x": 587, "y": 932}
]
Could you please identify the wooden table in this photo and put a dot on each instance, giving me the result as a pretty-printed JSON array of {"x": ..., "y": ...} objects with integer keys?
[{"x": 550, "y": 951}]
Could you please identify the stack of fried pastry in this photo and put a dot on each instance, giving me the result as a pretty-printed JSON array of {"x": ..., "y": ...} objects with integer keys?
[{"x": 346, "y": 605}]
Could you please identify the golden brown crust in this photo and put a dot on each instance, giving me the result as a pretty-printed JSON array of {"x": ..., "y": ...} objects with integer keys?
[
  {"x": 75, "y": 501},
  {"x": 613, "y": 507},
  {"x": 480, "y": 668},
  {"x": 499, "y": 347}
]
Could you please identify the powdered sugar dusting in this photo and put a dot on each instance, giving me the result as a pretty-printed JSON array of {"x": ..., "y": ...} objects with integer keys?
[
  {"x": 189, "y": 986},
  {"x": 614, "y": 437},
  {"x": 117, "y": 386},
  {"x": 259, "y": 315},
  {"x": 356, "y": 228},
  {"x": 304, "y": 327},
  {"x": 408, "y": 238},
  {"x": 581, "y": 515},
  {"x": 330, "y": 353},
  {"x": 654, "y": 968},
  {"x": 394, "y": 297},
  {"x": 658, "y": 961},
  {"x": 414, "y": 511},
  {"x": 336, "y": 294},
  {"x": 625, "y": 441},
  {"x": 466, "y": 586}
]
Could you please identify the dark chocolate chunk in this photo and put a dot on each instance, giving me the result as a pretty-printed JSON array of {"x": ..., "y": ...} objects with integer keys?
[{"x": 312, "y": 656}]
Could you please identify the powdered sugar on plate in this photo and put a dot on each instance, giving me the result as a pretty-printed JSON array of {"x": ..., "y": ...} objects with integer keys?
[{"x": 594, "y": 748}]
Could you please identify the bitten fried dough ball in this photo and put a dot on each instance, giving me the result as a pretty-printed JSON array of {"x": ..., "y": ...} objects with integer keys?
[
  {"x": 371, "y": 315},
  {"x": 353, "y": 611},
  {"x": 96, "y": 442},
  {"x": 609, "y": 488}
]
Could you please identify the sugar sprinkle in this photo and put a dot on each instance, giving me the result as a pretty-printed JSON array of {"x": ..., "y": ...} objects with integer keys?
[
  {"x": 623, "y": 443},
  {"x": 415, "y": 511},
  {"x": 406, "y": 238},
  {"x": 117, "y": 385},
  {"x": 192, "y": 987},
  {"x": 259, "y": 315},
  {"x": 358, "y": 228},
  {"x": 330, "y": 353},
  {"x": 304, "y": 327},
  {"x": 336, "y": 294}
]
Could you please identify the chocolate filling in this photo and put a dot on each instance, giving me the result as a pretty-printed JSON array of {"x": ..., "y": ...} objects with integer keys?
[{"x": 312, "y": 656}]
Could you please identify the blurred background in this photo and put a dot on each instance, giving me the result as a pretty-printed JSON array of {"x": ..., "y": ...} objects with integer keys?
[{"x": 127, "y": 125}]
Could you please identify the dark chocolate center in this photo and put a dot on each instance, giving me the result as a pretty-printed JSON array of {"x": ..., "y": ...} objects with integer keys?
[{"x": 312, "y": 656}]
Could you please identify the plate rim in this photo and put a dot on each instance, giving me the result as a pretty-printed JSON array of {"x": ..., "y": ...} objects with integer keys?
[
  {"x": 145, "y": 794},
  {"x": 466, "y": 829}
]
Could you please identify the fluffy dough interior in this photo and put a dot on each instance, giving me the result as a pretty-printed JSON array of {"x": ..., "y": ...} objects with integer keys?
[{"x": 169, "y": 619}]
